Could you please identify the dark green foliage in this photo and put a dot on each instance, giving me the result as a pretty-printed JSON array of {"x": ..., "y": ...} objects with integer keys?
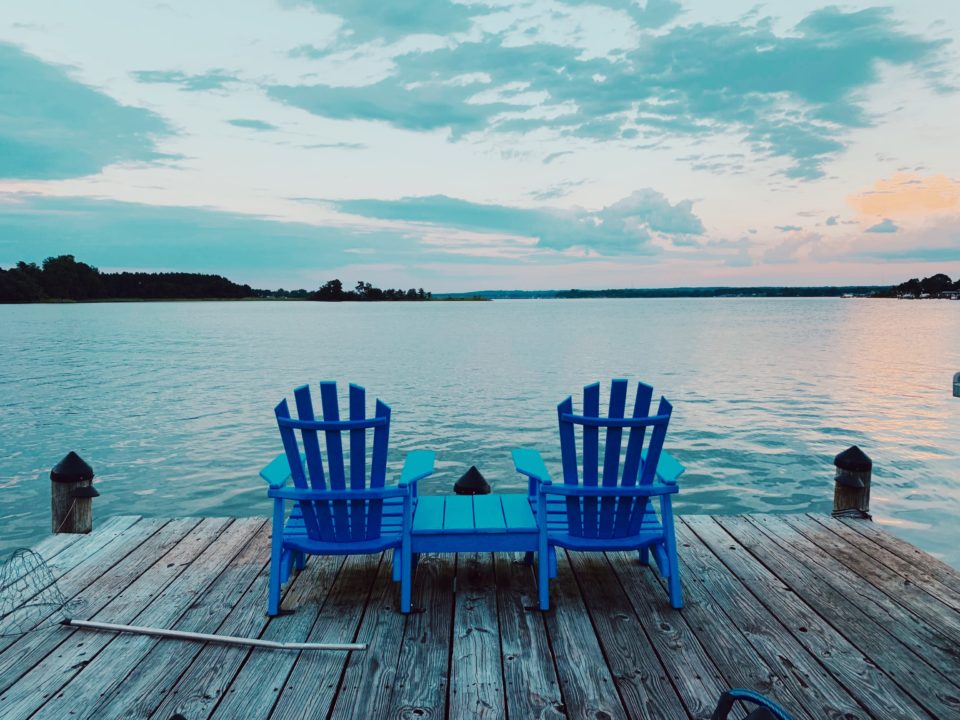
[
  {"x": 63, "y": 278},
  {"x": 711, "y": 292},
  {"x": 333, "y": 291},
  {"x": 934, "y": 286},
  {"x": 20, "y": 285}
]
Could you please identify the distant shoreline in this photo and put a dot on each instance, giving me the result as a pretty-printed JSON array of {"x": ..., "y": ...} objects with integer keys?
[{"x": 507, "y": 295}]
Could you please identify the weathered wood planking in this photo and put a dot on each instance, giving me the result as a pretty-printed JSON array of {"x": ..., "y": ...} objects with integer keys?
[
  {"x": 476, "y": 683},
  {"x": 164, "y": 662},
  {"x": 423, "y": 671},
  {"x": 529, "y": 672},
  {"x": 832, "y": 618},
  {"x": 911, "y": 674}
]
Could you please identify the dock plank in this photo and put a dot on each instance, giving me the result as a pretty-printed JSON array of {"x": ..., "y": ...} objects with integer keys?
[
  {"x": 912, "y": 676},
  {"x": 864, "y": 564},
  {"x": 801, "y": 672},
  {"x": 103, "y": 673},
  {"x": 423, "y": 672},
  {"x": 908, "y": 570},
  {"x": 529, "y": 672},
  {"x": 589, "y": 689},
  {"x": 88, "y": 591},
  {"x": 870, "y": 686},
  {"x": 641, "y": 678},
  {"x": 727, "y": 646},
  {"x": 138, "y": 694},
  {"x": 265, "y": 677},
  {"x": 57, "y": 669},
  {"x": 697, "y": 679},
  {"x": 476, "y": 682},
  {"x": 830, "y": 618},
  {"x": 368, "y": 679},
  {"x": 946, "y": 574},
  {"x": 76, "y": 566},
  {"x": 928, "y": 644}
]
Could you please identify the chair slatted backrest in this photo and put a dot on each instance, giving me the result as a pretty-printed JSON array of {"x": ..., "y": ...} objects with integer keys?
[
  {"x": 336, "y": 520},
  {"x": 620, "y": 516}
]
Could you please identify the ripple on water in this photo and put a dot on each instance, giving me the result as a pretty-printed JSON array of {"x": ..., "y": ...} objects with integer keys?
[{"x": 172, "y": 403}]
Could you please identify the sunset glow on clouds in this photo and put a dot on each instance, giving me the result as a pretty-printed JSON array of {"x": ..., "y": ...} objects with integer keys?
[
  {"x": 454, "y": 145},
  {"x": 908, "y": 195}
]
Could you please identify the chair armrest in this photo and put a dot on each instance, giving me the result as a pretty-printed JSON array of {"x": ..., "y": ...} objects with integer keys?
[
  {"x": 365, "y": 494},
  {"x": 668, "y": 469},
  {"x": 418, "y": 465},
  {"x": 528, "y": 462},
  {"x": 652, "y": 489},
  {"x": 277, "y": 472}
]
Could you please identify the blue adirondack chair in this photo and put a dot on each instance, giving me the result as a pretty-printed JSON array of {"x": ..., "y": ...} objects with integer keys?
[
  {"x": 612, "y": 509},
  {"x": 331, "y": 516}
]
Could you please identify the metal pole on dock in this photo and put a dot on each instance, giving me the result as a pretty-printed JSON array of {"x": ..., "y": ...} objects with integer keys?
[
  {"x": 71, "y": 495},
  {"x": 851, "y": 491}
]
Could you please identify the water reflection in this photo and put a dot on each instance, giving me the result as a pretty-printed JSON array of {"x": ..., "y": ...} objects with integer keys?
[{"x": 172, "y": 402}]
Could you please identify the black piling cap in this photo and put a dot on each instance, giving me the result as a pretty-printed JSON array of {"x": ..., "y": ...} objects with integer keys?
[
  {"x": 853, "y": 459},
  {"x": 472, "y": 483},
  {"x": 71, "y": 469}
]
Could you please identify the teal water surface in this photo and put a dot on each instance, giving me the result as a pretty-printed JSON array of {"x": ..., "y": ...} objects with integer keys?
[{"x": 172, "y": 403}]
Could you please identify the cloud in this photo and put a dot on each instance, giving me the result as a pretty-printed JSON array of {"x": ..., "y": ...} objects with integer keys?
[
  {"x": 794, "y": 96},
  {"x": 832, "y": 220},
  {"x": 797, "y": 247},
  {"x": 336, "y": 146},
  {"x": 908, "y": 194},
  {"x": 556, "y": 156},
  {"x": 211, "y": 80},
  {"x": 788, "y": 228},
  {"x": 366, "y": 20},
  {"x": 252, "y": 124},
  {"x": 886, "y": 226},
  {"x": 558, "y": 190},
  {"x": 623, "y": 227},
  {"x": 430, "y": 107},
  {"x": 116, "y": 234},
  {"x": 53, "y": 127},
  {"x": 651, "y": 14}
]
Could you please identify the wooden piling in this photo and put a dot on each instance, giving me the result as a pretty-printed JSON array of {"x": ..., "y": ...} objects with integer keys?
[
  {"x": 851, "y": 492},
  {"x": 71, "y": 495}
]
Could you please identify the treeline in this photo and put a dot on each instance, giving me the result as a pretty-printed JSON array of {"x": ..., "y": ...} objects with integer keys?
[
  {"x": 935, "y": 286},
  {"x": 333, "y": 291},
  {"x": 721, "y": 292},
  {"x": 65, "y": 278}
]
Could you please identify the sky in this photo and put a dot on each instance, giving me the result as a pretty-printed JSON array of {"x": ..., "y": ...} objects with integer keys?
[{"x": 469, "y": 145}]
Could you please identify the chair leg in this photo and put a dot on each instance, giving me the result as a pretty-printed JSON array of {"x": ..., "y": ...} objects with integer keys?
[
  {"x": 645, "y": 556},
  {"x": 673, "y": 583},
  {"x": 276, "y": 560},
  {"x": 406, "y": 576},
  {"x": 670, "y": 550},
  {"x": 396, "y": 569},
  {"x": 299, "y": 561},
  {"x": 553, "y": 562},
  {"x": 543, "y": 573}
]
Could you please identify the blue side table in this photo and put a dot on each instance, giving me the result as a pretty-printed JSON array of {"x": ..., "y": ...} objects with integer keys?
[{"x": 474, "y": 523}]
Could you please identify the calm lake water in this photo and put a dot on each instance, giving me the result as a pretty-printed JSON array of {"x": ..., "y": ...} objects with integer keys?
[{"x": 172, "y": 403}]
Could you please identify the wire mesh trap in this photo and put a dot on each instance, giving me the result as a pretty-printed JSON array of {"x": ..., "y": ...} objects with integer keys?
[
  {"x": 29, "y": 595},
  {"x": 30, "y": 599}
]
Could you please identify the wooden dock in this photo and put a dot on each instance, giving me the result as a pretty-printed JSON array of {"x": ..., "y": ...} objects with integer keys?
[{"x": 832, "y": 618}]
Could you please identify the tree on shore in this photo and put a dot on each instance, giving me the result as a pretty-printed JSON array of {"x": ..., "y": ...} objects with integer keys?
[
  {"x": 65, "y": 278},
  {"x": 934, "y": 286}
]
